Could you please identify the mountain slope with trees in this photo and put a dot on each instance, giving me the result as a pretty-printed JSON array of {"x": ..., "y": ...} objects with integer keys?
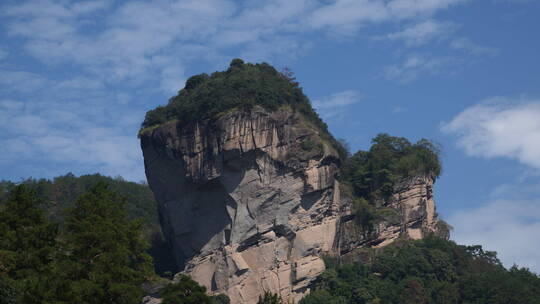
[
  {"x": 432, "y": 270},
  {"x": 60, "y": 193},
  {"x": 100, "y": 255}
]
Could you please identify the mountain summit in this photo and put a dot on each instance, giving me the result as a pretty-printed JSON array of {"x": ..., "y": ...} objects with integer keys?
[{"x": 254, "y": 192}]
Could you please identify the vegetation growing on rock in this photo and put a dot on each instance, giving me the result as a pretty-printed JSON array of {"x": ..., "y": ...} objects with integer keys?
[
  {"x": 187, "y": 291},
  {"x": 241, "y": 87},
  {"x": 373, "y": 174},
  {"x": 270, "y": 298}
]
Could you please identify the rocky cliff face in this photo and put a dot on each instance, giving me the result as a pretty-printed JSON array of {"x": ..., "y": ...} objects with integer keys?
[
  {"x": 409, "y": 213},
  {"x": 250, "y": 202}
]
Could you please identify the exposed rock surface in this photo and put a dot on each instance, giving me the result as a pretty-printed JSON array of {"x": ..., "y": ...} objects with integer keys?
[
  {"x": 410, "y": 214},
  {"x": 250, "y": 202}
]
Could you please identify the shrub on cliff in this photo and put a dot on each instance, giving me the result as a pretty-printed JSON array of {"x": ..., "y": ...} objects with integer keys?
[
  {"x": 270, "y": 298},
  {"x": 372, "y": 174},
  {"x": 185, "y": 291},
  {"x": 242, "y": 86}
]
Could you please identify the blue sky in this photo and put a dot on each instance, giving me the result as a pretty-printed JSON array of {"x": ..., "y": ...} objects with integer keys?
[{"x": 76, "y": 78}]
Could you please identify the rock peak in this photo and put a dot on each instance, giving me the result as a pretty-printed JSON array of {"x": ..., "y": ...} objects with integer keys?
[{"x": 250, "y": 200}]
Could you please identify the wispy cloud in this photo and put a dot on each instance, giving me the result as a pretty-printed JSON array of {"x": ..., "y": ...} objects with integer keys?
[
  {"x": 464, "y": 44},
  {"x": 499, "y": 127},
  {"x": 510, "y": 221},
  {"x": 104, "y": 54},
  {"x": 510, "y": 227},
  {"x": 421, "y": 33},
  {"x": 333, "y": 105},
  {"x": 335, "y": 100},
  {"x": 130, "y": 44},
  {"x": 76, "y": 125},
  {"x": 414, "y": 65}
]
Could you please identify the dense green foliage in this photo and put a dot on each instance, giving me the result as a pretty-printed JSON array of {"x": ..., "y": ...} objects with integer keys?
[
  {"x": 187, "y": 291},
  {"x": 372, "y": 174},
  {"x": 432, "y": 270},
  {"x": 367, "y": 215},
  {"x": 27, "y": 246},
  {"x": 241, "y": 86},
  {"x": 107, "y": 260},
  {"x": 60, "y": 193},
  {"x": 99, "y": 256},
  {"x": 270, "y": 298}
]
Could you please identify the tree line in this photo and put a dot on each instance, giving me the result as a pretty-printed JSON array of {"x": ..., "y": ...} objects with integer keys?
[
  {"x": 96, "y": 254},
  {"x": 432, "y": 270}
]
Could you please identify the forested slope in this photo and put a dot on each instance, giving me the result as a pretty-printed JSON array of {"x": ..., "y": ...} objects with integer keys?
[{"x": 59, "y": 193}]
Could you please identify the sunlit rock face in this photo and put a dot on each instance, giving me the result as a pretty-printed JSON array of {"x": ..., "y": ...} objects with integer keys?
[
  {"x": 411, "y": 215},
  {"x": 246, "y": 207},
  {"x": 250, "y": 202}
]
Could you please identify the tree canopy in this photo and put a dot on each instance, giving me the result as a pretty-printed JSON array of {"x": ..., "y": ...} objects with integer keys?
[
  {"x": 372, "y": 174},
  {"x": 242, "y": 86},
  {"x": 27, "y": 246},
  {"x": 432, "y": 270},
  {"x": 99, "y": 256},
  {"x": 187, "y": 291},
  {"x": 59, "y": 193}
]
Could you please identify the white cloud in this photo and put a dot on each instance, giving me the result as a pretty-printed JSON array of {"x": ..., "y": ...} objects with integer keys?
[
  {"x": 422, "y": 32},
  {"x": 467, "y": 45},
  {"x": 414, "y": 65},
  {"x": 510, "y": 223},
  {"x": 334, "y": 104},
  {"x": 112, "y": 52},
  {"x": 20, "y": 81},
  {"x": 500, "y": 128},
  {"x": 348, "y": 16},
  {"x": 336, "y": 100},
  {"x": 510, "y": 227},
  {"x": 128, "y": 41},
  {"x": 77, "y": 125}
]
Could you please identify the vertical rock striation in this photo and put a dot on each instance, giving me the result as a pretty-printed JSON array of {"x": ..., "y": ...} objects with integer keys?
[
  {"x": 246, "y": 204},
  {"x": 409, "y": 214},
  {"x": 250, "y": 202}
]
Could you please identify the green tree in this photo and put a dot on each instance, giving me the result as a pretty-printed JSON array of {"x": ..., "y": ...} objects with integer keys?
[
  {"x": 8, "y": 293},
  {"x": 241, "y": 87},
  {"x": 322, "y": 297},
  {"x": 105, "y": 258},
  {"x": 185, "y": 291},
  {"x": 432, "y": 270},
  {"x": 27, "y": 245},
  {"x": 221, "y": 299},
  {"x": 270, "y": 298},
  {"x": 373, "y": 174}
]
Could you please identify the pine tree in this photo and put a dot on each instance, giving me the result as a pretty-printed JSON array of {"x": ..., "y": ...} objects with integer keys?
[
  {"x": 27, "y": 246},
  {"x": 105, "y": 254}
]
